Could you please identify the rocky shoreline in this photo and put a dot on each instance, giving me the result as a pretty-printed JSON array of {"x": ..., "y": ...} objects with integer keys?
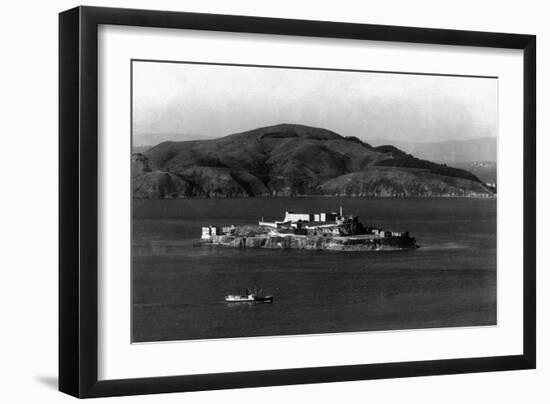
[{"x": 291, "y": 241}]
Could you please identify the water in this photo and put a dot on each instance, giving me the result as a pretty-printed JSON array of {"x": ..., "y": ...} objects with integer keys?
[{"x": 178, "y": 289}]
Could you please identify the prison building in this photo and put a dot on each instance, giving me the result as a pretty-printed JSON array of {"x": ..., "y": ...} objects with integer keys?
[
  {"x": 325, "y": 217},
  {"x": 294, "y": 217},
  {"x": 208, "y": 232},
  {"x": 325, "y": 230},
  {"x": 227, "y": 229}
]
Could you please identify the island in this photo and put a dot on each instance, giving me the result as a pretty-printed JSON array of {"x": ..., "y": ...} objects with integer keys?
[{"x": 310, "y": 231}]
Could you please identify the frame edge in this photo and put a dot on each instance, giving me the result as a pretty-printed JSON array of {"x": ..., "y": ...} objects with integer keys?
[
  {"x": 529, "y": 201},
  {"x": 69, "y": 79}
]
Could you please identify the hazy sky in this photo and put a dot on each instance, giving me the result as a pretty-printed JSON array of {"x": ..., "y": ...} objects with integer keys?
[{"x": 177, "y": 101}]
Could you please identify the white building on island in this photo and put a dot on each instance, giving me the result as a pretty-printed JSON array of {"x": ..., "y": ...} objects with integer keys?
[{"x": 291, "y": 219}]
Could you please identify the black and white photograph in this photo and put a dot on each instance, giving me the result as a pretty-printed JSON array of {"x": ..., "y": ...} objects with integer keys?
[
  {"x": 211, "y": 201},
  {"x": 281, "y": 200}
]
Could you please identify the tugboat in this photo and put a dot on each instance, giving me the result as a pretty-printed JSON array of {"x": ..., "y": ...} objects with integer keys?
[{"x": 249, "y": 297}]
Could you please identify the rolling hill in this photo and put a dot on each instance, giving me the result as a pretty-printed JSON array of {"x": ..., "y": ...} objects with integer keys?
[
  {"x": 451, "y": 151},
  {"x": 292, "y": 160}
]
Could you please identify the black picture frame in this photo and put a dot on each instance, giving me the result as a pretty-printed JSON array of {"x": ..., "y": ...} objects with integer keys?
[{"x": 78, "y": 205}]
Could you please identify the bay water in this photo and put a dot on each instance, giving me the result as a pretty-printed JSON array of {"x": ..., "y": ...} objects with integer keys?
[{"x": 178, "y": 287}]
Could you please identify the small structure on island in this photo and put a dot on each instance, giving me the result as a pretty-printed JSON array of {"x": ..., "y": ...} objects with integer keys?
[{"x": 208, "y": 232}]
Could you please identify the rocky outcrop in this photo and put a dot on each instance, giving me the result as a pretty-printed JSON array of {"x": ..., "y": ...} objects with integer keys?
[{"x": 313, "y": 242}]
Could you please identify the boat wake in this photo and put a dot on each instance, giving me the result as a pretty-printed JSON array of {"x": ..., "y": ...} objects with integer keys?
[{"x": 443, "y": 246}]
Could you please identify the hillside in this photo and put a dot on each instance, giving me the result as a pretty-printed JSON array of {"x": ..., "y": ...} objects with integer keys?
[
  {"x": 292, "y": 160},
  {"x": 452, "y": 152}
]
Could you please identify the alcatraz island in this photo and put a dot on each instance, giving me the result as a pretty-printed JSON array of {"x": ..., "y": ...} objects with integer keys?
[{"x": 309, "y": 231}]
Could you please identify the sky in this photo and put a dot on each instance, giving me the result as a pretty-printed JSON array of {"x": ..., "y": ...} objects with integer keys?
[{"x": 182, "y": 101}]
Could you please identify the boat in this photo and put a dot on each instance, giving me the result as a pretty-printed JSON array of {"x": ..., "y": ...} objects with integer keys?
[{"x": 249, "y": 297}]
